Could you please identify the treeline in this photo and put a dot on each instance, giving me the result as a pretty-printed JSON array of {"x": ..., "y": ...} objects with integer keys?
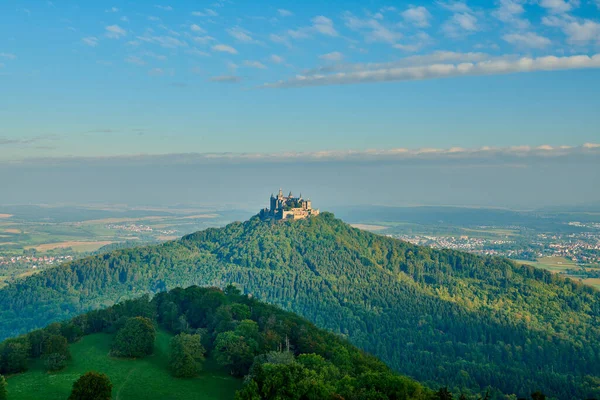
[{"x": 442, "y": 317}]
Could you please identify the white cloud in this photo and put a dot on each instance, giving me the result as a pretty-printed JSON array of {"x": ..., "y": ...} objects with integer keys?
[
  {"x": 164, "y": 8},
  {"x": 372, "y": 29},
  {"x": 319, "y": 25},
  {"x": 91, "y": 41},
  {"x": 324, "y": 26},
  {"x": 418, "y": 16},
  {"x": 527, "y": 39},
  {"x": 112, "y": 10},
  {"x": 204, "y": 39},
  {"x": 156, "y": 72},
  {"x": 8, "y": 56},
  {"x": 578, "y": 31},
  {"x": 582, "y": 32},
  {"x": 284, "y": 13},
  {"x": 196, "y": 52},
  {"x": 276, "y": 59},
  {"x": 224, "y": 49},
  {"x": 559, "y": 6},
  {"x": 206, "y": 13},
  {"x": 196, "y": 28},
  {"x": 510, "y": 12},
  {"x": 334, "y": 56},
  {"x": 226, "y": 79},
  {"x": 241, "y": 35},
  {"x": 435, "y": 71},
  {"x": 461, "y": 24},
  {"x": 115, "y": 32},
  {"x": 438, "y": 57},
  {"x": 124, "y": 19},
  {"x": 135, "y": 60},
  {"x": 281, "y": 39},
  {"x": 254, "y": 64},
  {"x": 414, "y": 43},
  {"x": 163, "y": 41},
  {"x": 455, "y": 6}
]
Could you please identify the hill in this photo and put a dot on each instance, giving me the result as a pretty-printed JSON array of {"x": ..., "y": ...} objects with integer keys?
[
  {"x": 278, "y": 354},
  {"x": 132, "y": 379},
  {"x": 442, "y": 317}
]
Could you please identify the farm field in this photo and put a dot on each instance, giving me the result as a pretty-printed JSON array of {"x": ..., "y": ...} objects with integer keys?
[
  {"x": 146, "y": 378},
  {"x": 554, "y": 264}
]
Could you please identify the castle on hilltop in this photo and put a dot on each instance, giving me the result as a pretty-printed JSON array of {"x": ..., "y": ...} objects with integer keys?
[{"x": 288, "y": 207}]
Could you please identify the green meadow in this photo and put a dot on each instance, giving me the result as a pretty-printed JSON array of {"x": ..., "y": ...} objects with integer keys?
[{"x": 147, "y": 378}]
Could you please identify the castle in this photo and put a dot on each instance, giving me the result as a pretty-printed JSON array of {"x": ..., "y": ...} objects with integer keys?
[{"x": 288, "y": 207}]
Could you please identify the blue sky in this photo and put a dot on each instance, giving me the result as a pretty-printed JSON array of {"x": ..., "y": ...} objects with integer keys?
[{"x": 105, "y": 78}]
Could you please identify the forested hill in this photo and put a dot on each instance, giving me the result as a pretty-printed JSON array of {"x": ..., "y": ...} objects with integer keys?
[{"x": 443, "y": 317}]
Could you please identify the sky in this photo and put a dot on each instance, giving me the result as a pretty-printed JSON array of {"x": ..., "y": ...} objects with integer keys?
[
  {"x": 482, "y": 99},
  {"x": 107, "y": 78}
]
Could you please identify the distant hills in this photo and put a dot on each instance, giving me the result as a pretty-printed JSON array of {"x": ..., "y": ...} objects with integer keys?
[{"x": 442, "y": 317}]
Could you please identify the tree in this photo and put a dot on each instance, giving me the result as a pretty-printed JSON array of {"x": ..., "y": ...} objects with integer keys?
[
  {"x": 538, "y": 396},
  {"x": 231, "y": 350},
  {"x": 55, "y": 362},
  {"x": 3, "y": 391},
  {"x": 56, "y": 352},
  {"x": 13, "y": 357},
  {"x": 135, "y": 339},
  {"x": 187, "y": 354},
  {"x": 443, "y": 394},
  {"x": 92, "y": 386}
]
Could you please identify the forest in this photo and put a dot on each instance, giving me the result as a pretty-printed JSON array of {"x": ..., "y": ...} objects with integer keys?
[{"x": 445, "y": 318}]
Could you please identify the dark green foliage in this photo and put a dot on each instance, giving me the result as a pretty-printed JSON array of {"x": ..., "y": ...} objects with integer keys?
[
  {"x": 92, "y": 386},
  {"x": 235, "y": 352},
  {"x": 57, "y": 344},
  {"x": 3, "y": 388},
  {"x": 55, "y": 362},
  {"x": 13, "y": 356},
  {"x": 443, "y": 394},
  {"x": 135, "y": 339},
  {"x": 187, "y": 354},
  {"x": 443, "y": 317}
]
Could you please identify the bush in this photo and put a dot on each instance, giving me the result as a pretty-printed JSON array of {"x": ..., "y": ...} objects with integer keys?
[
  {"x": 92, "y": 386},
  {"x": 135, "y": 339}
]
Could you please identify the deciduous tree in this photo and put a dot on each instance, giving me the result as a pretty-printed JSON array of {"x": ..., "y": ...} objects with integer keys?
[{"x": 92, "y": 386}]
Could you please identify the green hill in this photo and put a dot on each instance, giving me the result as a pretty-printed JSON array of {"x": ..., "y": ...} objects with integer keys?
[
  {"x": 443, "y": 317},
  {"x": 278, "y": 354},
  {"x": 146, "y": 378}
]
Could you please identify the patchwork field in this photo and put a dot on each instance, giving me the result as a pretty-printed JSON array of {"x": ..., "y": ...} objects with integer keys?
[
  {"x": 147, "y": 378},
  {"x": 75, "y": 245}
]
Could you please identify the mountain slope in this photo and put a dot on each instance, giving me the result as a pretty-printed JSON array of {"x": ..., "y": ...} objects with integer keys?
[{"x": 443, "y": 317}]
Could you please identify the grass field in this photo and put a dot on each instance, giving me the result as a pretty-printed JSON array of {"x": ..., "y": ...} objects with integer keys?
[
  {"x": 146, "y": 379},
  {"x": 369, "y": 227},
  {"x": 73, "y": 244},
  {"x": 595, "y": 282},
  {"x": 553, "y": 264}
]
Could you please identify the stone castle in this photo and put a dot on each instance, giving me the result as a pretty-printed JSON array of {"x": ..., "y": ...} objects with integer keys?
[{"x": 288, "y": 207}]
